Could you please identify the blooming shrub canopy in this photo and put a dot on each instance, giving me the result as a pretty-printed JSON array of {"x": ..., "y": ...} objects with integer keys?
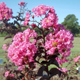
[
  {"x": 5, "y": 12},
  {"x": 59, "y": 41},
  {"x": 54, "y": 40},
  {"x": 28, "y": 48}
]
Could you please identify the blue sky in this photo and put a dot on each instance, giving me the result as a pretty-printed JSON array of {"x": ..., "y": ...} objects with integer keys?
[{"x": 62, "y": 7}]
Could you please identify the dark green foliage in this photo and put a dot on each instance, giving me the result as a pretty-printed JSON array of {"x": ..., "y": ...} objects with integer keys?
[
  {"x": 71, "y": 23},
  {"x": 3, "y": 34},
  {"x": 37, "y": 30}
]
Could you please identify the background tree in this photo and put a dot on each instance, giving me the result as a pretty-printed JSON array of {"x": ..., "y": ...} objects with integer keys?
[{"x": 71, "y": 23}]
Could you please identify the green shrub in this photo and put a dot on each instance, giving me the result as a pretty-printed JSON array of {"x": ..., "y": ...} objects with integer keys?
[{"x": 3, "y": 34}]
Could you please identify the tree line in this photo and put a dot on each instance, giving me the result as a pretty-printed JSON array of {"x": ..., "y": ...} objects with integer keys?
[{"x": 71, "y": 23}]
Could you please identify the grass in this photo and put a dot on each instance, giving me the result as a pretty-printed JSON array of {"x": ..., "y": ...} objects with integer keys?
[
  {"x": 76, "y": 44},
  {"x": 2, "y": 52}
]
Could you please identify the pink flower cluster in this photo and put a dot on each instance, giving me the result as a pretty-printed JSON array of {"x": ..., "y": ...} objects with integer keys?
[
  {"x": 58, "y": 27},
  {"x": 22, "y": 50},
  {"x": 26, "y": 19},
  {"x": 7, "y": 73},
  {"x": 63, "y": 70},
  {"x": 4, "y": 47},
  {"x": 21, "y": 3},
  {"x": 21, "y": 67},
  {"x": 5, "y": 12},
  {"x": 60, "y": 43},
  {"x": 50, "y": 20},
  {"x": 76, "y": 59},
  {"x": 40, "y": 10},
  {"x": 61, "y": 60}
]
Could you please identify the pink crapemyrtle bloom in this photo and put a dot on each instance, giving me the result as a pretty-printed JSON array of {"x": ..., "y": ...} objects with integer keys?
[
  {"x": 51, "y": 51},
  {"x": 5, "y": 12},
  {"x": 7, "y": 73},
  {"x": 66, "y": 37},
  {"x": 21, "y": 50},
  {"x": 51, "y": 10},
  {"x": 26, "y": 23},
  {"x": 4, "y": 47},
  {"x": 51, "y": 16},
  {"x": 46, "y": 22},
  {"x": 60, "y": 43},
  {"x": 55, "y": 21},
  {"x": 26, "y": 19},
  {"x": 22, "y": 47},
  {"x": 21, "y": 3},
  {"x": 40, "y": 10},
  {"x": 61, "y": 60},
  {"x": 58, "y": 27},
  {"x": 30, "y": 33},
  {"x": 21, "y": 67},
  {"x": 11, "y": 75},
  {"x": 50, "y": 44},
  {"x": 50, "y": 20},
  {"x": 1, "y": 16},
  {"x": 76, "y": 59},
  {"x": 63, "y": 70},
  {"x": 18, "y": 37}
]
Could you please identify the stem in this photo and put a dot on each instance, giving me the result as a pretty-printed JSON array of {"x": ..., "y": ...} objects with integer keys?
[
  {"x": 47, "y": 69},
  {"x": 44, "y": 42},
  {"x": 38, "y": 24}
]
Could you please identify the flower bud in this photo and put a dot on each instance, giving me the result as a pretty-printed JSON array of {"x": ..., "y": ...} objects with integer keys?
[
  {"x": 33, "y": 25},
  {"x": 33, "y": 16}
]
